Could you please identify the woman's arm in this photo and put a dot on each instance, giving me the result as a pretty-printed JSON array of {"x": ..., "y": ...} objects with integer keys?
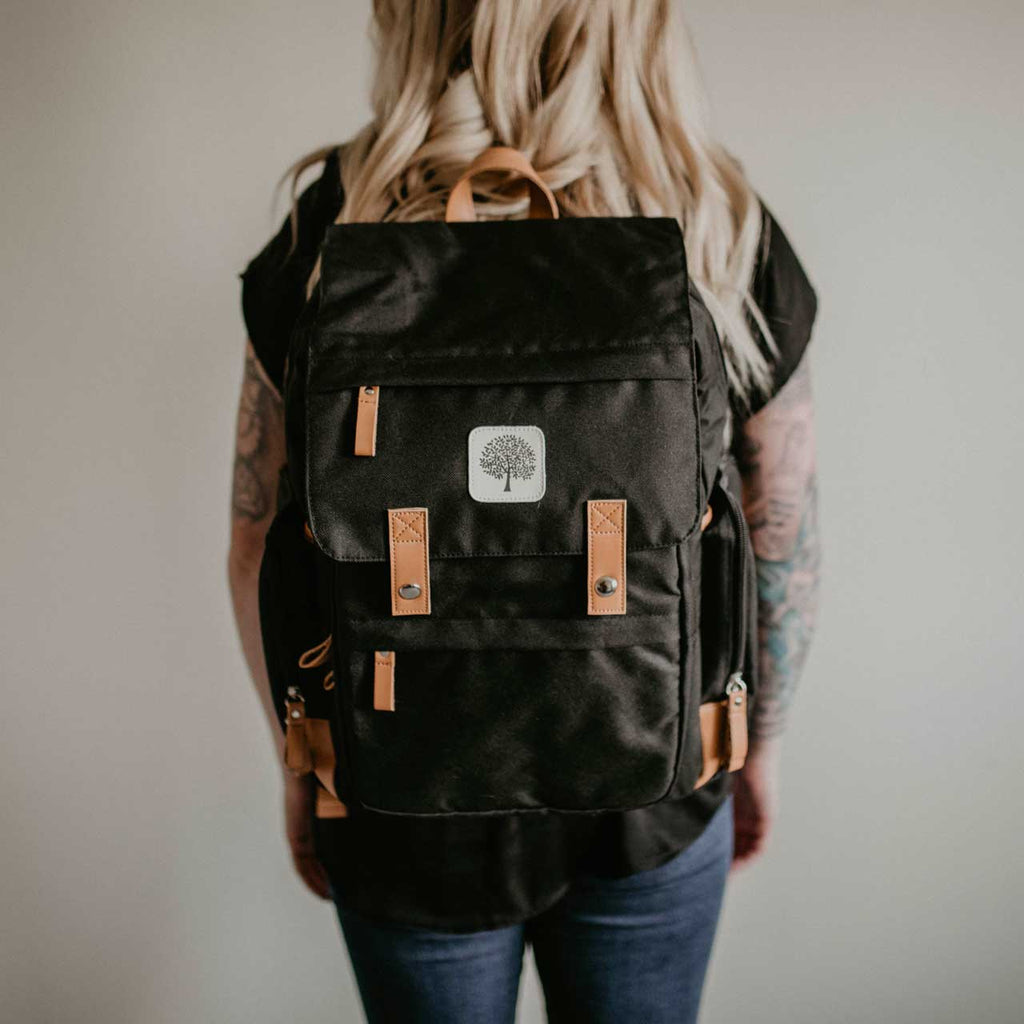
[
  {"x": 259, "y": 457},
  {"x": 776, "y": 451},
  {"x": 780, "y": 501}
]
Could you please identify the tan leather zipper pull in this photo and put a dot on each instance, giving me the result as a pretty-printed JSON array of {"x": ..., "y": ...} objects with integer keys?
[
  {"x": 384, "y": 680},
  {"x": 298, "y": 757},
  {"x": 366, "y": 420},
  {"x": 736, "y": 696}
]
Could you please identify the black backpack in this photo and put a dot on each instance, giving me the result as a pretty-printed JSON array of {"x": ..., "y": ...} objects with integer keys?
[{"x": 509, "y": 571}]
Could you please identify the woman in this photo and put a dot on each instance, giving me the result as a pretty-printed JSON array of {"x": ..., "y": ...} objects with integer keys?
[{"x": 620, "y": 908}]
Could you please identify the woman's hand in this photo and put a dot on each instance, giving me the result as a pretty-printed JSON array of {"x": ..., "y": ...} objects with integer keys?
[
  {"x": 755, "y": 802},
  {"x": 299, "y": 800}
]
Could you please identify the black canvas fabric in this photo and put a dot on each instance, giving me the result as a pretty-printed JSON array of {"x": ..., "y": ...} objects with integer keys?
[
  {"x": 479, "y": 872},
  {"x": 511, "y": 696}
]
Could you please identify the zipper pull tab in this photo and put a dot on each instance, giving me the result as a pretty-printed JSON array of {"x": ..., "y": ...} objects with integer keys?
[
  {"x": 298, "y": 757},
  {"x": 736, "y": 727},
  {"x": 384, "y": 680},
  {"x": 366, "y": 420}
]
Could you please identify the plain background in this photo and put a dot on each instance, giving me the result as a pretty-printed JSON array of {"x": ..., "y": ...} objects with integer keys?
[{"x": 143, "y": 875}]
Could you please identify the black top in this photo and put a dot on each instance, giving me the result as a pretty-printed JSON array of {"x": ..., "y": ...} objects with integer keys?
[{"x": 472, "y": 873}]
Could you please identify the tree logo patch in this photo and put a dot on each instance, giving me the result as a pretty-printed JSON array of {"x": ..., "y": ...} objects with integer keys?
[{"x": 506, "y": 463}]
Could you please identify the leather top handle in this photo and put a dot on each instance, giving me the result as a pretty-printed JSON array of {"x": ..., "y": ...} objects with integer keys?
[{"x": 500, "y": 158}]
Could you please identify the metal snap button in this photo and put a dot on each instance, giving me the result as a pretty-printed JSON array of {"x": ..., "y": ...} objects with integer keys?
[
  {"x": 606, "y": 586},
  {"x": 409, "y": 591}
]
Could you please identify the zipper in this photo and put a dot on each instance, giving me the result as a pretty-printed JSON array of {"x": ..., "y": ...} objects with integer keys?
[
  {"x": 736, "y": 694},
  {"x": 741, "y": 605}
]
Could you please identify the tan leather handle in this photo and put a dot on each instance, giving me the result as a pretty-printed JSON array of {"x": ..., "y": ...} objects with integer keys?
[{"x": 500, "y": 158}]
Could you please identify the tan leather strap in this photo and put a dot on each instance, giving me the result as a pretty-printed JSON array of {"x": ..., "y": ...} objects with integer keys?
[
  {"x": 321, "y": 747},
  {"x": 712, "y": 739},
  {"x": 328, "y": 805},
  {"x": 410, "y": 561},
  {"x": 737, "y": 730},
  {"x": 318, "y": 731},
  {"x": 723, "y": 735},
  {"x": 606, "y": 557},
  {"x": 500, "y": 158},
  {"x": 298, "y": 758},
  {"x": 366, "y": 420},
  {"x": 308, "y": 747},
  {"x": 384, "y": 680}
]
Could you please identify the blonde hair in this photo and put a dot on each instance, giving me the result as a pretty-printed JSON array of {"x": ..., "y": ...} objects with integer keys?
[{"x": 603, "y": 96}]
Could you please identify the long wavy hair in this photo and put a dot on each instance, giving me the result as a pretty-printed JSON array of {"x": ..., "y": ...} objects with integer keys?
[{"x": 605, "y": 99}]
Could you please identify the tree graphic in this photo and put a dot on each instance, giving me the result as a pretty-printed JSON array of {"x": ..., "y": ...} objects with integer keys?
[{"x": 508, "y": 456}]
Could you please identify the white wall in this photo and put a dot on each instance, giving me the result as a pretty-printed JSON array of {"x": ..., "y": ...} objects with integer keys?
[{"x": 142, "y": 873}]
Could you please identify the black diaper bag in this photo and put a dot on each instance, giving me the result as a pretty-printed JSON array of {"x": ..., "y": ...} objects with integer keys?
[{"x": 511, "y": 571}]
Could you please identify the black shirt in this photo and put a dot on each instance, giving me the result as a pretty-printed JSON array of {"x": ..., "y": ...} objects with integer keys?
[{"x": 459, "y": 873}]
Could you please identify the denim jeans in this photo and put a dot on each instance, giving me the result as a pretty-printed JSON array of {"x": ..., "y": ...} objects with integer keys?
[{"x": 609, "y": 951}]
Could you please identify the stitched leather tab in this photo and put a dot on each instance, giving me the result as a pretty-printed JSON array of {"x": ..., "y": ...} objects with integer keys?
[
  {"x": 384, "y": 680},
  {"x": 410, "y": 564},
  {"x": 606, "y": 557},
  {"x": 366, "y": 420}
]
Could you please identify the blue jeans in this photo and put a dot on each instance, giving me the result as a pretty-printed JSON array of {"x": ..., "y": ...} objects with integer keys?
[{"x": 609, "y": 951}]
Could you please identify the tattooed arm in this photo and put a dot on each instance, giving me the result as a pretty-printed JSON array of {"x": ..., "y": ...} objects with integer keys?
[
  {"x": 777, "y": 463},
  {"x": 776, "y": 452},
  {"x": 259, "y": 456}
]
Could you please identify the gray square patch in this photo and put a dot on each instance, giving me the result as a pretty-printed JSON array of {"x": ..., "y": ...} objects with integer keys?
[{"x": 506, "y": 464}]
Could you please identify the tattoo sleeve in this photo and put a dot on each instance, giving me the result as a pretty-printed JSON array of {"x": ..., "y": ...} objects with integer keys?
[
  {"x": 776, "y": 454},
  {"x": 259, "y": 445}
]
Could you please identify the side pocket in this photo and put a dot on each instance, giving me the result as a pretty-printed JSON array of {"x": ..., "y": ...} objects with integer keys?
[
  {"x": 294, "y": 617},
  {"x": 294, "y": 622},
  {"x": 728, "y": 634},
  {"x": 728, "y": 620}
]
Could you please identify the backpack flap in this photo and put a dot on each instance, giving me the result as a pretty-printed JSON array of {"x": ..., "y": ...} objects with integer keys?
[{"x": 573, "y": 358}]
